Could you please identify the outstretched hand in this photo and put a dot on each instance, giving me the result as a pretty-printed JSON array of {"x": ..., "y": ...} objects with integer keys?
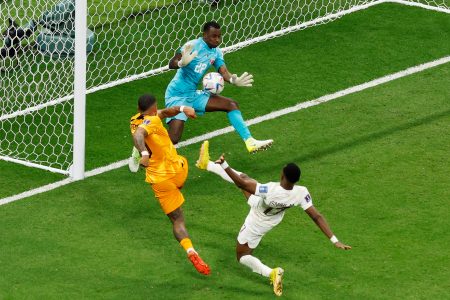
[
  {"x": 144, "y": 161},
  {"x": 187, "y": 55},
  {"x": 189, "y": 112},
  {"x": 221, "y": 159},
  {"x": 342, "y": 246},
  {"x": 244, "y": 80}
]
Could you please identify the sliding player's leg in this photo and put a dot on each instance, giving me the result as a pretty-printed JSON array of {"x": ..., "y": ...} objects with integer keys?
[
  {"x": 231, "y": 107},
  {"x": 205, "y": 163},
  {"x": 248, "y": 239}
]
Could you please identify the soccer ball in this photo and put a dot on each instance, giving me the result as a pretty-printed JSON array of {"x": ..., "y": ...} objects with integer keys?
[{"x": 213, "y": 83}]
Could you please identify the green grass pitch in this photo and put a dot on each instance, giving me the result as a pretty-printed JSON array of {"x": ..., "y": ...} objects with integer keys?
[{"x": 376, "y": 164}]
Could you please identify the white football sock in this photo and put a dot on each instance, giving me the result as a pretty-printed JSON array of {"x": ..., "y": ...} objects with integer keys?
[
  {"x": 256, "y": 265},
  {"x": 217, "y": 169}
]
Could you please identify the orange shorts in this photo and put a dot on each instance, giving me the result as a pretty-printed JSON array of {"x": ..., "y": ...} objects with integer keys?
[{"x": 168, "y": 191}]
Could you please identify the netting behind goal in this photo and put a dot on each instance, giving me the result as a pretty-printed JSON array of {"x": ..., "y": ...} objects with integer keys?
[{"x": 127, "y": 40}]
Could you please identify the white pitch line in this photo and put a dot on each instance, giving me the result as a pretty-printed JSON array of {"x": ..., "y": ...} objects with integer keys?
[{"x": 272, "y": 115}]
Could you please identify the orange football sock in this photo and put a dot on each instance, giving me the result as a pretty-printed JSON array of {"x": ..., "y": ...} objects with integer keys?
[{"x": 186, "y": 243}]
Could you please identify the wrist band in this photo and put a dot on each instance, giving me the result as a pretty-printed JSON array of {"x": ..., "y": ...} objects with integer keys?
[
  {"x": 224, "y": 165},
  {"x": 145, "y": 153},
  {"x": 334, "y": 239},
  {"x": 180, "y": 65},
  {"x": 182, "y": 108}
]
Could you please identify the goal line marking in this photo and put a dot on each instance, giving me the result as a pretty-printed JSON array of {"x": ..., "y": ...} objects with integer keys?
[{"x": 270, "y": 116}]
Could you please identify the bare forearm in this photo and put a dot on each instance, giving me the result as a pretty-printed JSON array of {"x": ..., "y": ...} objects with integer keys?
[
  {"x": 323, "y": 225},
  {"x": 235, "y": 177},
  {"x": 139, "y": 141},
  {"x": 225, "y": 74},
  {"x": 173, "y": 63},
  {"x": 242, "y": 181},
  {"x": 168, "y": 112}
]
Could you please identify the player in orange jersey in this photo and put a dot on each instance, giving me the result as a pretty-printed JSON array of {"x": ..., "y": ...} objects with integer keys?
[{"x": 166, "y": 171}]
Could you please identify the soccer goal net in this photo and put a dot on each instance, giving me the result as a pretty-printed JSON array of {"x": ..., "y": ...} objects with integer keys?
[{"x": 126, "y": 40}]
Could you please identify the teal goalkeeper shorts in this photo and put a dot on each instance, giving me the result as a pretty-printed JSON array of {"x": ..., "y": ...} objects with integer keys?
[{"x": 197, "y": 100}]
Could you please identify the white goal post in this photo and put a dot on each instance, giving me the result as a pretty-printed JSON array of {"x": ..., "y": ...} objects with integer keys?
[{"x": 54, "y": 52}]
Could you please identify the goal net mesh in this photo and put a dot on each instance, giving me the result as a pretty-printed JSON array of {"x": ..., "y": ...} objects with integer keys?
[{"x": 128, "y": 39}]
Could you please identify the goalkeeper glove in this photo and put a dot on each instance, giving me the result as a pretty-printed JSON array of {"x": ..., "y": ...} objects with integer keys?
[
  {"x": 244, "y": 80},
  {"x": 187, "y": 56}
]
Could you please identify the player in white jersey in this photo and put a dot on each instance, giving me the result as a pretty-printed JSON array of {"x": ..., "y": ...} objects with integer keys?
[{"x": 268, "y": 203}]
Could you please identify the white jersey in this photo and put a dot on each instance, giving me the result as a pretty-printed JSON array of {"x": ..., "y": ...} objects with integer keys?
[
  {"x": 271, "y": 200},
  {"x": 267, "y": 208}
]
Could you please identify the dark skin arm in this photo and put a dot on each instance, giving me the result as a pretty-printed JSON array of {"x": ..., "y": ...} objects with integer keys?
[
  {"x": 225, "y": 73},
  {"x": 320, "y": 221},
  {"x": 139, "y": 142},
  {"x": 173, "y": 63},
  {"x": 242, "y": 181},
  {"x": 175, "y": 110}
]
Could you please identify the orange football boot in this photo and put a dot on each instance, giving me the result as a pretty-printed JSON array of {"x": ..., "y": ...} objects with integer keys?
[{"x": 198, "y": 263}]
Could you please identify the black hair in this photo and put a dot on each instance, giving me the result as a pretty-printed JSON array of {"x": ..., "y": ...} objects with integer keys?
[
  {"x": 210, "y": 24},
  {"x": 145, "y": 102},
  {"x": 292, "y": 172}
]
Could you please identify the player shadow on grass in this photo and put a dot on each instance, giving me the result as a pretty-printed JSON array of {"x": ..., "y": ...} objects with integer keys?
[{"x": 372, "y": 136}]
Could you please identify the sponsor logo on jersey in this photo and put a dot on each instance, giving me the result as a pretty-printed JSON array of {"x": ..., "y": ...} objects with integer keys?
[
  {"x": 263, "y": 189},
  {"x": 146, "y": 122},
  {"x": 275, "y": 204}
]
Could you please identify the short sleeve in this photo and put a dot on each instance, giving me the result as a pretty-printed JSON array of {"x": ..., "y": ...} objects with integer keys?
[
  {"x": 253, "y": 201},
  {"x": 306, "y": 201},
  {"x": 150, "y": 124},
  {"x": 219, "y": 61},
  {"x": 262, "y": 189}
]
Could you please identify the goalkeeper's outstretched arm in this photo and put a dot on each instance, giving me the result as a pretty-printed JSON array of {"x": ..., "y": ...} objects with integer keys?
[
  {"x": 184, "y": 57},
  {"x": 245, "y": 79}
]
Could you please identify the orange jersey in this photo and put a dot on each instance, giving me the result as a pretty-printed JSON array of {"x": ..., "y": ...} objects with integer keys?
[{"x": 165, "y": 162}]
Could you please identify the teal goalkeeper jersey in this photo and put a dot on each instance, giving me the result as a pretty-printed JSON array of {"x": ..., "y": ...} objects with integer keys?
[{"x": 185, "y": 82}]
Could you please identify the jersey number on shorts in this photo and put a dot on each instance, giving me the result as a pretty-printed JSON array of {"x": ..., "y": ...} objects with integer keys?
[{"x": 200, "y": 68}]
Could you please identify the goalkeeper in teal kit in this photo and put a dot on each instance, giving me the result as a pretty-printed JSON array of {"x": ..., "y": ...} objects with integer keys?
[{"x": 192, "y": 61}]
